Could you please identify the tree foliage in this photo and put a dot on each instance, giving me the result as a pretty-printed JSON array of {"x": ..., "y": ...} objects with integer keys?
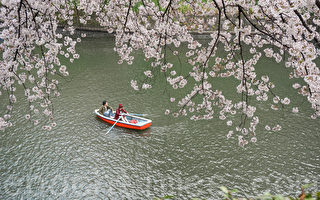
[{"x": 285, "y": 30}]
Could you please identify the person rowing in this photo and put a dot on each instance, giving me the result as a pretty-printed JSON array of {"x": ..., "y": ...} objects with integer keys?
[{"x": 119, "y": 112}]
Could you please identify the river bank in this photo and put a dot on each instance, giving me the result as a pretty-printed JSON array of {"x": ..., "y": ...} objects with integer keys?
[{"x": 93, "y": 31}]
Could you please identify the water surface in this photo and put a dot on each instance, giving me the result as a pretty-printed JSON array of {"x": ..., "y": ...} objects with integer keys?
[{"x": 176, "y": 156}]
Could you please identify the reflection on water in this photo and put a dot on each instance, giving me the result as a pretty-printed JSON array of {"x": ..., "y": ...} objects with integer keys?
[{"x": 79, "y": 160}]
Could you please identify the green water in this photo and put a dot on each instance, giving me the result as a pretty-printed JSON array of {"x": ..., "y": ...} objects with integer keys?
[{"x": 176, "y": 156}]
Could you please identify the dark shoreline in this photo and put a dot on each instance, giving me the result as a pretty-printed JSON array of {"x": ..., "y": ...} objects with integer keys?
[{"x": 99, "y": 32}]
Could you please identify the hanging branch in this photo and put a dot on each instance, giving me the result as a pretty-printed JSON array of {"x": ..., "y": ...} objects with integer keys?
[{"x": 127, "y": 16}]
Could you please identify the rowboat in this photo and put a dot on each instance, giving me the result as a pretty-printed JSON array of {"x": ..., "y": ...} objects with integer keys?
[{"x": 134, "y": 122}]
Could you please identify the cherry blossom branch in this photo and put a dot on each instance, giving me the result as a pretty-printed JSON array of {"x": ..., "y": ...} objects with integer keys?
[
  {"x": 225, "y": 13},
  {"x": 306, "y": 26},
  {"x": 167, "y": 9},
  {"x": 127, "y": 16},
  {"x": 260, "y": 30},
  {"x": 244, "y": 78}
]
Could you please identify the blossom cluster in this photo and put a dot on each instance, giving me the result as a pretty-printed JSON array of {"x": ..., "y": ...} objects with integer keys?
[
  {"x": 241, "y": 33},
  {"x": 274, "y": 29},
  {"x": 31, "y": 51}
]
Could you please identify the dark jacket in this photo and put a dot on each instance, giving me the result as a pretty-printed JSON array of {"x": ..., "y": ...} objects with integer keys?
[{"x": 103, "y": 109}]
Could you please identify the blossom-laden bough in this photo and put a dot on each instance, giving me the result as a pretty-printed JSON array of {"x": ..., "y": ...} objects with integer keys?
[{"x": 279, "y": 29}]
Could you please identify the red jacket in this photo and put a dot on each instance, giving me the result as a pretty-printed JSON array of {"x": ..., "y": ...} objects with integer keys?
[{"x": 118, "y": 112}]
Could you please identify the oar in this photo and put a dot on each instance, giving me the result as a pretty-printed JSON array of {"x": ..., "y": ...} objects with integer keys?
[
  {"x": 137, "y": 114},
  {"x": 113, "y": 125}
]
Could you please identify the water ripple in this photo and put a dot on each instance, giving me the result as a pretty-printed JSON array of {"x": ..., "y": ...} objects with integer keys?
[{"x": 79, "y": 160}]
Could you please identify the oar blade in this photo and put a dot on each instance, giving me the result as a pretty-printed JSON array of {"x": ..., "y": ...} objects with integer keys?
[{"x": 113, "y": 125}]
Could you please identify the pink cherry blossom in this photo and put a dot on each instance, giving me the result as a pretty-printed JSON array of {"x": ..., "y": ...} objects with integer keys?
[{"x": 158, "y": 31}]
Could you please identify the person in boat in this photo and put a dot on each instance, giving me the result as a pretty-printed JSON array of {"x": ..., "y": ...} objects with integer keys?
[
  {"x": 119, "y": 111},
  {"x": 105, "y": 109}
]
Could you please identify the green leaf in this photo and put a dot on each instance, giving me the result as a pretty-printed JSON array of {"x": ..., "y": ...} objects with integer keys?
[
  {"x": 265, "y": 196},
  {"x": 308, "y": 196},
  {"x": 307, "y": 185},
  {"x": 318, "y": 195},
  {"x": 279, "y": 197},
  {"x": 135, "y": 8},
  {"x": 250, "y": 10},
  {"x": 184, "y": 8},
  {"x": 224, "y": 189},
  {"x": 233, "y": 191},
  {"x": 167, "y": 197}
]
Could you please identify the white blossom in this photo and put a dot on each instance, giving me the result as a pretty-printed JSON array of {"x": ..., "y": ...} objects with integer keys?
[
  {"x": 33, "y": 46},
  {"x": 229, "y": 123},
  {"x": 267, "y": 127},
  {"x": 295, "y": 109}
]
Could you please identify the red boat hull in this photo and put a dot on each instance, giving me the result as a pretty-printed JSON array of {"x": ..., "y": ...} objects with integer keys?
[
  {"x": 126, "y": 125},
  {"x": 136, "y": 126}
]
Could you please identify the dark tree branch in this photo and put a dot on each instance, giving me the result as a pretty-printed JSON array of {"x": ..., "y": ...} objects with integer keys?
[
  {"x": 215, "y": 43},
  {"x": 302, "y": 21},
  {"x": 244, "y": 78},
  {"x": 167, "y": 8},
  {"x": 259, "y": 29},
  {"x": 225, "y": 12},
  {"x": 318, "y": 3},
  {"x": 125, "y": 23},
  {"x": 306, "y": 26}
]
